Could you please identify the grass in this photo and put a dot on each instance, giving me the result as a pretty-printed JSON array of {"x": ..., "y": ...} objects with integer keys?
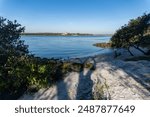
[
  {"x": 100, "y": 91},
  {"x": 89, "y": 66}
]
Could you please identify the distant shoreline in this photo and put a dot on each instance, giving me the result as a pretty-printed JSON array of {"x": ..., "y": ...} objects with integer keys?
[{"x": 64, "y": 34}]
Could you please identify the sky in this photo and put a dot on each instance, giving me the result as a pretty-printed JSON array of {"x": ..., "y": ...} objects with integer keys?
[{"x": 78, "y": 16}]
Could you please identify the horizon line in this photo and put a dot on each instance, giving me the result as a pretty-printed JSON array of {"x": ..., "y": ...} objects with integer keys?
[{"x": 67, "y": 33}]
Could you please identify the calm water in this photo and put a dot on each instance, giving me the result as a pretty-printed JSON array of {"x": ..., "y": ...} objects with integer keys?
[{"x": 65, "y": 46}]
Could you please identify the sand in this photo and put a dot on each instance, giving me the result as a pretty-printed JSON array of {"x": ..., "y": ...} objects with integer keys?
[{"x": 113, "y": 79}]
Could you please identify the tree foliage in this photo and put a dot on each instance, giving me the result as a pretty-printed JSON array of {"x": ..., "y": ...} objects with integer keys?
[
  {"x": 10, "y": 43},
  {"x": 13, "y": 52},
  {"x": 134, "y": 34},
  {"x": 19, "y": 70}
]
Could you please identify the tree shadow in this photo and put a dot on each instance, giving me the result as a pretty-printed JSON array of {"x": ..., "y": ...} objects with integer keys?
[
  {"x": 62, "y": 92},
  {"x": 61, "y": 86},
  {"x": 85, "y": 83},
  {"x": 134, "y": 71},
  {"x": 126, "y": 72},
  {"x": 139, "y": 76},
  {"x": 58, "y": 92}
]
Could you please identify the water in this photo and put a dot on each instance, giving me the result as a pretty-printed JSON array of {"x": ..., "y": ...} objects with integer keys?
[{"x": 65, "y": 46}]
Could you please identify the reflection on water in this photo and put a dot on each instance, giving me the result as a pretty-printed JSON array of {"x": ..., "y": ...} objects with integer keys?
[{"x": 64, "y": 46}]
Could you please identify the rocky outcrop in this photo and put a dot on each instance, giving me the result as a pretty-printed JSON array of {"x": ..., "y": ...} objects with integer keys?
[{"x": 111, "y": 79}]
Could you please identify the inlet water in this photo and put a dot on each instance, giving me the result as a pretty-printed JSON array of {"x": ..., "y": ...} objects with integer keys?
[{"x": 65, "y": 46}]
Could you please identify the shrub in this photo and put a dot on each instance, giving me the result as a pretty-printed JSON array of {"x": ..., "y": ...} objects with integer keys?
[{"x": 133, "y": 34}]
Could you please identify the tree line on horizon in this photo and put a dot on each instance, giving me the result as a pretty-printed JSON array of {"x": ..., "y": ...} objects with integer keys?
[
  {"x": 58, "y": 34},
  {"x": 19, "y": 70}
]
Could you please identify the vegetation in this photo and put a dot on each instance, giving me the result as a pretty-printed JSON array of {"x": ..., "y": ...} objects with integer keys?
[
  {"x": 64, "y": 34},
  {"x": 101, "y": 91},
  {"x": 12, "y": 53},
  {"x": 103, "y": 45},
  {"x": 135, "y": 34},
  {"x": 20, "y": 71},
  {"x": 57, "y": 34}
]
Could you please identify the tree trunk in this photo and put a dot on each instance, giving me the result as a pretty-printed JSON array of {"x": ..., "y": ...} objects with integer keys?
[
  {"x": 139, "y": 49},
  {"x": 130, "y": 51}
]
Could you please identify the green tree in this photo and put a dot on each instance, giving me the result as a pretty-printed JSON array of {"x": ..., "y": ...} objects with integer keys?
[
  {"x": 13, "y": 53},
  {"x": 132, "y": 34},
  {"x": 10, "y": 43}
]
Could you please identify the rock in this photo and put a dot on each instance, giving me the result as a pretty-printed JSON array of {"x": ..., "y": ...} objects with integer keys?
[{"x": 112, "y": 79}]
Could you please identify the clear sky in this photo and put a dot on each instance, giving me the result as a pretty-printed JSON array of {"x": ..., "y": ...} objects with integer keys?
[{"x": 83, "y": 16}]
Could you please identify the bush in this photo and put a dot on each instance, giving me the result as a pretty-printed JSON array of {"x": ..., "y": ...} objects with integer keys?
[
  {"x": 134, "y": 34},
  {"x": 12, "y": 54}
]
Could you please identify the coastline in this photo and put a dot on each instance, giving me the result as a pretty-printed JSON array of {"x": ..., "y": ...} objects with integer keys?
[
  {"x": 111, "y": 79},
  {"x": 63, "y": 34},
  {"x": 124, "y": 54}
]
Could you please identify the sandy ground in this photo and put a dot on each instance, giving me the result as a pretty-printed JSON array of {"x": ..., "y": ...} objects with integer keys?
[{"x": 112, "y": 79}]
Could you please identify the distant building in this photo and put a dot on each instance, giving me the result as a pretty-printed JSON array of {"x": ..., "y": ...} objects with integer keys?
[{"x": 64, "y": 33}]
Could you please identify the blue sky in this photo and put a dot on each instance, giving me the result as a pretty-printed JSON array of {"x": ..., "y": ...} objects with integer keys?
[{"x": 83, "y": 16}]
